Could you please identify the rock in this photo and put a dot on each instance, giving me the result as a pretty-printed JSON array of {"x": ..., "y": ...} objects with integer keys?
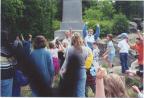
[{"x": 132, "y": 27}]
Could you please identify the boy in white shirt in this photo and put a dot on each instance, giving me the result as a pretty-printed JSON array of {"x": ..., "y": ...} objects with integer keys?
[{"x": 124, "y": 50}]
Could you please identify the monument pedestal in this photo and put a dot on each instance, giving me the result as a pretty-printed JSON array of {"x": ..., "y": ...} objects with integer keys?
[
  {"x": 61, "y": 33},
  {"x": 71, "y": 19}
]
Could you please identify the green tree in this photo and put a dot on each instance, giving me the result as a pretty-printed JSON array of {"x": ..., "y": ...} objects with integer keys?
[
  {"x": 132, "y": 9},
  {"x": 120, "y": 24},
  {"x": 102, "y": 10},
  {"x": 12, "y": 10},
  {"x": 30, "y": 16},
  {"x": 107, "y": 8}
]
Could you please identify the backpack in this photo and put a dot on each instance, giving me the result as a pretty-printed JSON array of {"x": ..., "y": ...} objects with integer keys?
[
  {"x": 89, "y": 59},
  {"x": 93, "y": 71}
]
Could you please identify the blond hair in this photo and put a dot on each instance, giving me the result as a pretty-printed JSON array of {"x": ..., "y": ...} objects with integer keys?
[
  {"x": 77, "y": 41},
  {"x": 114, "y": 86}
]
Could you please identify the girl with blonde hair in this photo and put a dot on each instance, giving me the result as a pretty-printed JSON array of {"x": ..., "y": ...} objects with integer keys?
[
  {"x": 110, "y": 85},
  {"x": 75, "y": 71}
]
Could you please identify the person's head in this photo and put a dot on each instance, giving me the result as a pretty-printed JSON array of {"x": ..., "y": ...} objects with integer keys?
[
  {"x": 139, "y": 41},
  {"x": 95, "y": 45},
  {"x": 67, "y": 34},
  {"x": 70, "y": 32},
  {"x": 90, "y": 31},
  {"x": 17, "y": 37},
  {"x": 114, "y": 86},
  {"x": 65, "y": 44},
  {"x": 29, "y": 37},
  {"x": 40, "y": 42},
  {"x": 51, "y": 45},
  {"x": 109, "y": 37},
  {"x": 77, "y": 40}
]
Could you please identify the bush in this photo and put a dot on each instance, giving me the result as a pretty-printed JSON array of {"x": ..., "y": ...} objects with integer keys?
[
  {"x": 120, "y": 24},
  {"x": 56, "y": 25},
  {"x": 106, "y": 27},
  {"x": 93, "y": 14}
]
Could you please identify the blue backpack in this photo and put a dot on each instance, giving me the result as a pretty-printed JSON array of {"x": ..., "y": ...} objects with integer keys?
[{"x": 93, "y": 71}]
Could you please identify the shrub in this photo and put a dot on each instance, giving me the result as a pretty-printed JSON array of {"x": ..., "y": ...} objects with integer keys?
[
  {"x": 56, "y": 25},
  {"x": 93, "y": 14},
  {"x": 106, "y": 27},
  {"x": 120, "y": 24}
]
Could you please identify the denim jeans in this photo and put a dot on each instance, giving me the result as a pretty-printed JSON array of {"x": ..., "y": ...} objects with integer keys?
[
  {"x": 6, "y": 87},
  {"x": 16, "y": 88},
  {"x": 80, "y": 89},
  {"x": 123, "y": 60}
]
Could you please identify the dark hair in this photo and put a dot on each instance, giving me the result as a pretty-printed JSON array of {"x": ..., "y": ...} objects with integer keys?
[
  {"x": 110, "y": 36},
  {"x": 138, "y": 38},
  {"x": 51, "y": 45},
  {"x": 95, "y": 43},
  {"x": 28, "y": 36},
  {"x": 40, "y": 42}
]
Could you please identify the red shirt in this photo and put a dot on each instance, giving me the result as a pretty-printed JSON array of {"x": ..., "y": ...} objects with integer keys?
[{"x": 139, "y": 48}]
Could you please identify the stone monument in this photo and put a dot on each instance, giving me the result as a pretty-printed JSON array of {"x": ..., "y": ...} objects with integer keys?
[{"x": 71, "y": 19}]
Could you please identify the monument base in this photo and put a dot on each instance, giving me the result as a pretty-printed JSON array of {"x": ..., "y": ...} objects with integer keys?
[{"x": 61, "y": 33}]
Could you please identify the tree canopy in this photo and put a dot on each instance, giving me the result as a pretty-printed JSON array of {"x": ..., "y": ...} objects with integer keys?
[{"x": 44, "y": 16}]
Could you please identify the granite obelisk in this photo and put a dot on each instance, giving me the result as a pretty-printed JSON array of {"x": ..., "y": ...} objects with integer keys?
[{"x": 72, "y": 17}]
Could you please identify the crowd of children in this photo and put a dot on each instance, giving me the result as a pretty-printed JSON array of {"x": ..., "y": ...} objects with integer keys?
[{"x": 54, "y": 60}]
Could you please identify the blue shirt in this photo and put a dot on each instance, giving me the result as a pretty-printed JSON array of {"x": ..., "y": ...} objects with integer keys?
[
  {"x": 27, "y": 45},
  {"x": 43, "y": 62}
]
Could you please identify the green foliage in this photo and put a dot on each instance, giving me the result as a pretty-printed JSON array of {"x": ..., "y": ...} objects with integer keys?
[
  {"x": 131, "y": 81},
  {"x": 12, "y": 10},
  {"x": 120, "y": 24},
  {"x": 93, "y": 14},
  {"x": 132, "y": 9},
  {"x": 106, "y": 7},
  {"x": 56, "y": 25},
  {"x": 29, "y": 16},
  {"x": 104, "y": 13},
  {"x": 102, "y": 10},
  {"x": 106, "y": 27}
]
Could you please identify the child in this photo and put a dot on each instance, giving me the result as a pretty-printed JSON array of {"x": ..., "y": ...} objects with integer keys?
[
  {"x": 54, "y": 52},
  {"x": 96, "y": 52},
  {"x": 91, "y": 73},
  {"x": 110, "y": 52}
]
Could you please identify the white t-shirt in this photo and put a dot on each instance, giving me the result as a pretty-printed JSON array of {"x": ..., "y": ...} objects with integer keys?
[
  {"x": 111, "y": 48},
  {"x": 124, "y": 47},
  {"x": 54, "y": 52},
  {"x": 89, "y": 39}
]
